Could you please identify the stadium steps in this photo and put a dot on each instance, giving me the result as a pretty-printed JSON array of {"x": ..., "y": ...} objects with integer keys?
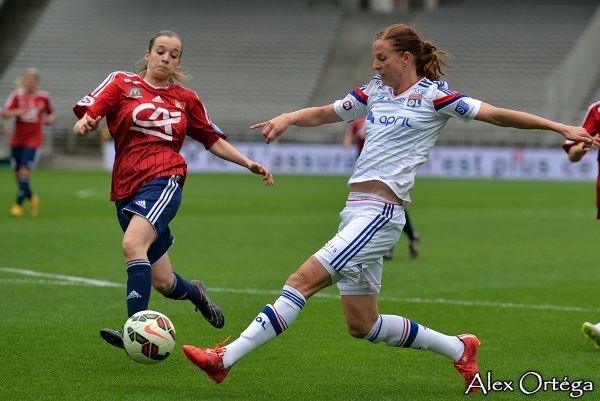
[
  {"x": 248, "y": 61},
  {"x": 503, "y": 54}
]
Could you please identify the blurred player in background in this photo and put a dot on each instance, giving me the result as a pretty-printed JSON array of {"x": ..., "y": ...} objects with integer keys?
[
  {"x": 576, "y": 151},
  {"x": 405, "y": 106},
  {"x": 356, "y": 134},
  {"x": 149, "y": 117},
  {"x": 31, "y": 108},
  {"x": 4, "y": 132}
]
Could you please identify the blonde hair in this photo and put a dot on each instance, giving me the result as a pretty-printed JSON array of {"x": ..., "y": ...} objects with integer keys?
[
  {"x": 142, "y": 67},
  {"x": 428, "y": 59},
  {"x": 29, "y": 71}
]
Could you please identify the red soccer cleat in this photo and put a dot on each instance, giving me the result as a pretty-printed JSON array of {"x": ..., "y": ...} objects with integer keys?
[
  {"x": 467, "y": 364},
  {"x": 209, "y": 360}
]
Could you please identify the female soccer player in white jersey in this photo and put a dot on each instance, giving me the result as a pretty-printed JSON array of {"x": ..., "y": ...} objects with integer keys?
[
  {"x": 405, "y": 106},
  {"x": 149, "y": 117}
]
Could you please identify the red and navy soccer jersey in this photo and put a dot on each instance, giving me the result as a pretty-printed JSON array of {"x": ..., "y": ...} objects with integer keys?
[
  {"x": 28, "y": 126},
  {"x": 149, "y": 126},
  {"x": 591, "y": 123}
]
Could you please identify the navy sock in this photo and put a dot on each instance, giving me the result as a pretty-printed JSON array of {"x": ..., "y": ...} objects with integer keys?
[
  {"x": 408, "y": 228},
  {"x": 24, "y": 190},
  {"x": 139, "y": 285},
  {"x": 183, "y": 289}
]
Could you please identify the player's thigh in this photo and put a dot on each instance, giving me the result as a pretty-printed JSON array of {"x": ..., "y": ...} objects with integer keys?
[{"x": 140, "y": 234}]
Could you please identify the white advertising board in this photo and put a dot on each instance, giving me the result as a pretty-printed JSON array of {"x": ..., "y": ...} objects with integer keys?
[{"x": 444, "y": 162}]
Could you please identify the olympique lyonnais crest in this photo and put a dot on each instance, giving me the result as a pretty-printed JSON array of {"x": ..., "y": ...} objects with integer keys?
[{"x": 414, "y": 100}]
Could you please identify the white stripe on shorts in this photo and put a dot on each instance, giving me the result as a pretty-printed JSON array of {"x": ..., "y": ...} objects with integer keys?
[{"x": 163, "y": 200}]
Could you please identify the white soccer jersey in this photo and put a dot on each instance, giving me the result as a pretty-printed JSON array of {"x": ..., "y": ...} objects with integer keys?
[{"x": 401, "y": 130}]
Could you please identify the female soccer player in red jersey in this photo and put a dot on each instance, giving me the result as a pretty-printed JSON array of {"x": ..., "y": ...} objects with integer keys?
[
  {"x": 576, "y": 151},
  {"x": 149, "y": 116},
  {"x": 405, "y": 106},
  {"x": 31, "y": 108}
]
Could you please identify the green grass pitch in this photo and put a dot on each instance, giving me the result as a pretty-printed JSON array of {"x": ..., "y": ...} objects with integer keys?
[{"x": 513, "y": 262}]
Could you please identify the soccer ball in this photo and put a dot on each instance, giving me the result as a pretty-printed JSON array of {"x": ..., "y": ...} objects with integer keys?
[{"x": 148, "y": 337}]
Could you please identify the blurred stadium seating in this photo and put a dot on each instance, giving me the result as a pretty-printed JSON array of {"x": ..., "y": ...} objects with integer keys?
[{"x": 251, "y": 60}]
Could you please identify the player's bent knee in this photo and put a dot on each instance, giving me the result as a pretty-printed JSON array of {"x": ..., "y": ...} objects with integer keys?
[
  {"x": 297, "y": 279},
  {"x": 131, "y": 247},
  {"x": 24, "y": 173},
  {"x": 358, "y": 331},
  {"x": 310, "y": 278},
  {"x": 161, "y": 284}
]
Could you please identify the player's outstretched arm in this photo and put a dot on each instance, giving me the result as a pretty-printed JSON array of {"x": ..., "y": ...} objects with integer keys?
[
  {"x": 86, "y": 125},
  {"x": 309, "y": 117},
  {"x": 518, "y": 119},
  {"x": 224, "y": 150}
]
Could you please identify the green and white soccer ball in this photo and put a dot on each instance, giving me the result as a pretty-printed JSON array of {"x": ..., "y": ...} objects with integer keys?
[{"x": 148, "y": 337}]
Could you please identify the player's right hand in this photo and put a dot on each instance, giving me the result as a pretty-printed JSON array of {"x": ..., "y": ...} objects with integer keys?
[
  {"x": 86, "y": 125},
  {"x": 273, "y": 128}
]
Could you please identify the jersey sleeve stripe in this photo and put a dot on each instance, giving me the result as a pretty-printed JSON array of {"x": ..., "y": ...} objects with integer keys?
[
  {"x": 360, "y": 96},
  {"x": 108, "y": 80},
  {"x": 446, "y": 100}
]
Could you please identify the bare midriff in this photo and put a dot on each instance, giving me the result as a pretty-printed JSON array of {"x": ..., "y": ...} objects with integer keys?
[{"x": 377, "y": 188}]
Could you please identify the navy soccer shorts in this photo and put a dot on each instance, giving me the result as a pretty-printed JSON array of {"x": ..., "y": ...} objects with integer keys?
[
  {"x": 24, "y": 157},
  {"x": 158, "y": 202}
]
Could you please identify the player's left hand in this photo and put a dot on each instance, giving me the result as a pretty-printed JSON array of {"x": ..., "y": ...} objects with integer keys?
[{"x": 258, "y": 168}]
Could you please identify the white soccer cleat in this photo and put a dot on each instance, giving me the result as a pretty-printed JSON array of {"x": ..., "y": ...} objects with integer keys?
[{"x": 592, "y": 331}]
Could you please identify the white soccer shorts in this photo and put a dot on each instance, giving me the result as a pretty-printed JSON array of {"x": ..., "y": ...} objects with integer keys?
[{"x": 370, "y": 226}]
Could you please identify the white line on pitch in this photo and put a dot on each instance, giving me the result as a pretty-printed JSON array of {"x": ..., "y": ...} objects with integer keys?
[
  {"x": 74, "y": 279},
  {"x": 91, "y": 193},
  {"x": 60, "y": 279},
  {"x": 508, "y": 305}
]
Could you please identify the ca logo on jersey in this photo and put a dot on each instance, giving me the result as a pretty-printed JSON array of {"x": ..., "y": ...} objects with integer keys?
[{"x": 159, "y": 122}]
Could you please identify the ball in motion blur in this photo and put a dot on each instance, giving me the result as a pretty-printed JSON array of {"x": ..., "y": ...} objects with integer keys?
[{"x": 148, "y": 337}]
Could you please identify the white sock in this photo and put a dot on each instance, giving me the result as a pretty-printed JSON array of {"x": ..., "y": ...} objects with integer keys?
[
  {"x": 397, "y": 331},
  {"x": 270, "y": 322}
]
